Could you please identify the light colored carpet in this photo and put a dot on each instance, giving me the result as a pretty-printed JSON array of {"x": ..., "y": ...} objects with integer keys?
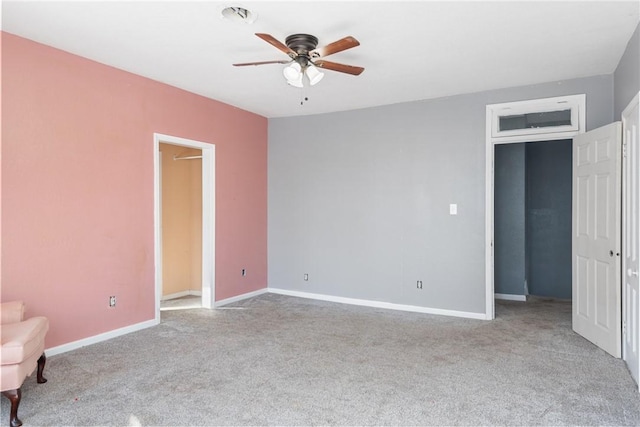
[
  {"x": 182, "y": 303},
  {"x": 287, "y": 361}
]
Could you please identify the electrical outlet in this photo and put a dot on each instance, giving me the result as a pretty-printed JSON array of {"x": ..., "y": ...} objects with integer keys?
[
  {"x": 244, "y": 271},
  {"x": 112, "y": 301},
  {"x": 306, "y": 277},
  {"x": 419, "y": 284}
]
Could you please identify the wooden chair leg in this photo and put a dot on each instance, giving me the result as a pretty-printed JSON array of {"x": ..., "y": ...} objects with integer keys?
[
  {"x": 14, "y": 397},
  {"x": 41, "y": 361}
]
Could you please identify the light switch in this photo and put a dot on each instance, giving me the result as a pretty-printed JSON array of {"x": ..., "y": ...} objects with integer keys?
[{"x": 453, "y": 209}]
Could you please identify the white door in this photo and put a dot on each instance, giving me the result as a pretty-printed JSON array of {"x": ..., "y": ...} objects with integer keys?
[
  {"x": 596, "y": 237},
  {"x": 630, "y": 236}
]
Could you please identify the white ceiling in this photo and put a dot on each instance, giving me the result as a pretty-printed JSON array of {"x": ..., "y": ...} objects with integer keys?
[{"x": 410, "y": 50}]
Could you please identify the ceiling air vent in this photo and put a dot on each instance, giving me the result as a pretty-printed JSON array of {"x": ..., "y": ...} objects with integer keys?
[{"x": 238, "y": 14}]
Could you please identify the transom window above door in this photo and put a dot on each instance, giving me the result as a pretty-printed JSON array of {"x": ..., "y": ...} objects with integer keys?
[{"x": 538, "y": 117}]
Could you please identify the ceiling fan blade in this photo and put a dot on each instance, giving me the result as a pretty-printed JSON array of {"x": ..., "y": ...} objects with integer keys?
[
  {"x": 343, "y": 68},
  {"x": 277, "y": 44},
  {"x": 284, "y": 61},
  {"x": 335, "y": 47}
]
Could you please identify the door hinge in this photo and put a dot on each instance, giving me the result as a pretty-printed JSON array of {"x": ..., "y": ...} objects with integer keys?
[
  {"x": 624, "y": 150},
  {"x": 624, "y": 328}
]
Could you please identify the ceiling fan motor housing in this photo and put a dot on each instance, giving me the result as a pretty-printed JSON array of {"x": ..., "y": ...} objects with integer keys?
[{"x": 302, "y": 44}]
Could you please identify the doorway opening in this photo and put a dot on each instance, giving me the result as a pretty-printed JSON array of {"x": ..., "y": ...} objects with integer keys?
[
  {"x": 548, "y": 119},
  {"x": 532, "y": 220},
  {"x": 184, "y": 223},
  {"x": 181, "y": 226}
]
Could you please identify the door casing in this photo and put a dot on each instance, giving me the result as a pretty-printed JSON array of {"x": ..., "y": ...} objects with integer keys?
[
  {"x": 208, "y": 217},
  {"x": 490, "y": 142}
]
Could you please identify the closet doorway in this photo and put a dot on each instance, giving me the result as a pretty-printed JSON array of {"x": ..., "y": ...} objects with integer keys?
[
  {"x": 184, "y": 223},
  {"x": 545, "y": 119},
  {"x": 532, "y": 220},
  {"x": 181, "y": 226}
]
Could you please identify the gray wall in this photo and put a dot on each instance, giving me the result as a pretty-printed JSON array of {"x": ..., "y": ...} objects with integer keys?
[
  {"x": 359, "y": 200},
  {"x": 548, "y": 218},
  {"x": 627, "y": 75},
  {"x": 509, "y": 219}
]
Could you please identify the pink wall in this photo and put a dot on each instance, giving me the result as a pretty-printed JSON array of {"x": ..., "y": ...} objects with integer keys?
[
  {"x": 1, "y": 42},
  {"x": 77, "y": 188}
]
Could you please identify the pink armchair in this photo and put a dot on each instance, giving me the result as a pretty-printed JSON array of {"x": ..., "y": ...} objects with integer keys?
[{"x": 22, "y": 350}]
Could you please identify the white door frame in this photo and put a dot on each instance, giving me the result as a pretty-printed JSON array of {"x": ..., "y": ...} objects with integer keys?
[
  {"x": 630, "y": 320},
  {"x": 493, "y": 110},
  {"x": 208, "y": 217}
]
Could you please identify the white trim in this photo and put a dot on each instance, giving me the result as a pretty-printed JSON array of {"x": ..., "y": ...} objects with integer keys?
[
  {"x": 208, "y": 217},
  {"x": 488, "y": 227},
  {"x": 138, "y": 326},
  {"x": 181, "y": 294},
  {"x": 510, "y": 297},
  {"x": 157, "y": 226},
  {"x": 209, "y": 227},
  {"x": 158, "y": 248},
  {"x": 352, "y": 301},
  {"x": 490, "y": 142},
  {"x": 379, "y": 304},
  {"x": 241, "y": 297},
  {"x": 571, "y": 103},
  {"x": 74, "y": 345}
]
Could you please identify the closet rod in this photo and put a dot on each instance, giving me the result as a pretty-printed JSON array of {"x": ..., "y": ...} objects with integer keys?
[{"x": 186, "y": 157}]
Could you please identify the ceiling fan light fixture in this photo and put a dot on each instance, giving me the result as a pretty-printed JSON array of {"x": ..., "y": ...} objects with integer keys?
[
  {"x": 292, "y": 72},
  {"x": 297, "y": 82},
  {"x": 313, "y": 74},
  {"x": 238, "y": 14}
]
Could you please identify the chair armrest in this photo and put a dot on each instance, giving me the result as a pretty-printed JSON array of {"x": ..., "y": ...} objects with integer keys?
[{"x": 11, "y": 312}]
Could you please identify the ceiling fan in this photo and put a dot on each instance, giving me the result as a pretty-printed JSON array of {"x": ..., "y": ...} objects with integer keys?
[{"x": 305, "y": 58}]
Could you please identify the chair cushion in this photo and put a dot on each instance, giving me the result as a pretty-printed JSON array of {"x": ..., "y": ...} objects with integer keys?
[{"x": 20, "y": 340}]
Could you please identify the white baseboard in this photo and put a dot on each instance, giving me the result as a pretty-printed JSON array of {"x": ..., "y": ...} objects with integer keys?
[
  {"x": 99, "y": 338},
  {"x": 181, "y": 294},
  {"x": 240, "y": 297},
  {"x": 353, "y": 301},
  {"x": 379, "y": 304},
  {"x": 510, "y": 297}
]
